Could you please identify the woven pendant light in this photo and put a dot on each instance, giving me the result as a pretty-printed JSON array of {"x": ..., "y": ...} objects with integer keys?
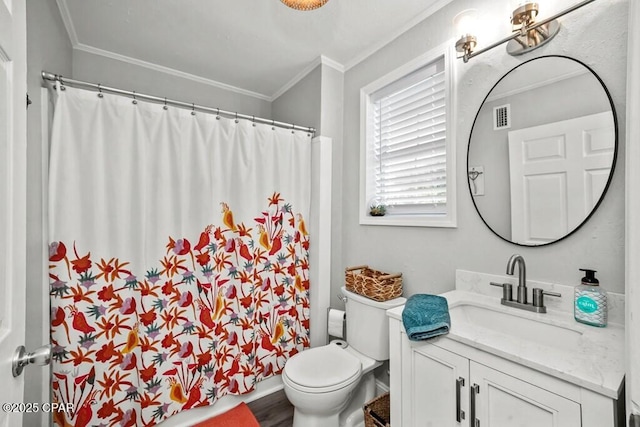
[{"x": 304, "y": 4}]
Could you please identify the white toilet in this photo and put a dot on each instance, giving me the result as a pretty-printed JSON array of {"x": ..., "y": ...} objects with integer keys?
[{"x": 329, "y": 385}]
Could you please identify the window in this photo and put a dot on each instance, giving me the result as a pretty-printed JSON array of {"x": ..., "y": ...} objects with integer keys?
[{"x": 408, "y": 149}]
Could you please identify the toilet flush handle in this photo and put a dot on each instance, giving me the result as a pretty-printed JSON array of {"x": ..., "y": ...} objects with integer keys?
[{"x": 342, "y": 298}]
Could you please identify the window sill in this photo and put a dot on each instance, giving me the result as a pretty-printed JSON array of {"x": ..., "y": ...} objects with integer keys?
[{"x": 409, "y": 221}]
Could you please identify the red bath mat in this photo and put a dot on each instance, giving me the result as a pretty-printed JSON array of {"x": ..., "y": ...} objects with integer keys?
[{"x": 240, "y": 416}]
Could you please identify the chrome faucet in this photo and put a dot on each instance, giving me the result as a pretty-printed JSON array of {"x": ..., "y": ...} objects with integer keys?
[
  {"x": 521, "y": 301},
  {"x": 522, "y": 276}
]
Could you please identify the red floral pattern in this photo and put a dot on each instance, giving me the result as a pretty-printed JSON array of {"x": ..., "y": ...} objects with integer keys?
[{"x": 212, "y": 318}]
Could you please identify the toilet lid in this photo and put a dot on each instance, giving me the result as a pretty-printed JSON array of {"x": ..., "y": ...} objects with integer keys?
[{"x": 322, "y": 367}]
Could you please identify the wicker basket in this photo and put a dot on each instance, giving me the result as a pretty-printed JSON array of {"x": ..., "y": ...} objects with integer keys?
[
  {"x": 374, "y": 284},
  {"x": 377, "y": 412}
]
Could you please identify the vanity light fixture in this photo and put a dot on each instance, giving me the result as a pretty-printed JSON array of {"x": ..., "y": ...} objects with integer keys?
[
  {"x": 466, "y": 23},
  {"x": 527, "y": 33},
  {"x": 304, "y": 4}
]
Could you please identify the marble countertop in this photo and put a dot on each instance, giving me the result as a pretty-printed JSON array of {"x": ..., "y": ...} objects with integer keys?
[{"x": 595, "y": 363}]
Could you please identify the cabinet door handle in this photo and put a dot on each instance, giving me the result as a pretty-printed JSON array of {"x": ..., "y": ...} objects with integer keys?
[
  {"x": 475, "y": 389},
  {"x": 459, "y": 411}
]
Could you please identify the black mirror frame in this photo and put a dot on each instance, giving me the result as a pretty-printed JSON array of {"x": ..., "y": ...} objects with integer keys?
[{"x": 613, "y": 162}]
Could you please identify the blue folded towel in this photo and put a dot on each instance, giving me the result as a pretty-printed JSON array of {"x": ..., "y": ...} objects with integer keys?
[{"x": 426, "y": 316}]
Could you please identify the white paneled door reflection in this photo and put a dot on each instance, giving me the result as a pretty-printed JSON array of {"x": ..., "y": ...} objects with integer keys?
[{"x": 558, "y": 173}]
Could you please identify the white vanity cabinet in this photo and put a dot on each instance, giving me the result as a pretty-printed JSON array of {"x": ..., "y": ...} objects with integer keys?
[
  {"x": 437, "y": 383},
  {"x": 502, "y": 400},
  {"x": 447, "y": 389},
  {"x": 444, "y": 383}
]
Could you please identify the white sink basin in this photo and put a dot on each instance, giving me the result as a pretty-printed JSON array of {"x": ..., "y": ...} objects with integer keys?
[{"x": 523, "y": 326}]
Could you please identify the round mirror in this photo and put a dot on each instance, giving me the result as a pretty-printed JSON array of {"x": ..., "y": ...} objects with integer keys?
[{"x": 542, "y": 150}]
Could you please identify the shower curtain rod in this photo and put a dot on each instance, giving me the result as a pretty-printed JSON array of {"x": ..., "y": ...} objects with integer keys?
[{"x": 100, "y": 88}]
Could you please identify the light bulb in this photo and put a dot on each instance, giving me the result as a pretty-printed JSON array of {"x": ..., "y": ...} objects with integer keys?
[{"x": 466, "y": 22}]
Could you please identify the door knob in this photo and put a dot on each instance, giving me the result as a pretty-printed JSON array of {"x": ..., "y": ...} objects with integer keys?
[{"x": 41, "y": 356}]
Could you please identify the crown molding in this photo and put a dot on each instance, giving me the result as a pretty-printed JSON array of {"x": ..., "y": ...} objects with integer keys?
[
  {"x": 536, "y": 85},
  {"x": 320, "y": 60},
  {"x": 76, "y": 45},
  {"x": 400, "y": 31},
  {"x": 365, "y": 54},
  {"x": 68, "y": 23},
  {"x": 167, "y": 70},
  {"x": 325, "y": 60}
]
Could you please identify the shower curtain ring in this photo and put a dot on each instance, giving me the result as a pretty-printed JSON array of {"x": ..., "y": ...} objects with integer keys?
[
  {"x": 273, "y": 125},
  {"x": 193, "y": 109},
  {"x": 100, "y": 94},
  {"x": 293, "y": 128},
  {"x": 217, "y": 114},
  {"x": 253, "y": 121},
  {"x": 135, "y": 101},
  {"x": 237, "y": 117},
  {"x": 165, "y": 104}
]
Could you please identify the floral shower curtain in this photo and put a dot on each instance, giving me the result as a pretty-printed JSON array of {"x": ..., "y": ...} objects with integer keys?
[{"x": 178, "y": 257}]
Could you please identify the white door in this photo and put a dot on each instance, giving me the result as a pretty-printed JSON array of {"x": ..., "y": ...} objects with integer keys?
[
  {"x": 435, "y": 387},
  {"x": 505, "y": 401},
  {"x": 558, "y": 172},
  {"x": 13, "y": 144}
]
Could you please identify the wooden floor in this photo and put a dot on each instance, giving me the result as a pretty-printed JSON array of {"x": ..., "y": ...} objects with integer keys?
[{"x": 273, "y": 410}]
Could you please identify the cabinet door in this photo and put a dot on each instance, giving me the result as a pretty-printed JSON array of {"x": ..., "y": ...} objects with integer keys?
[
  {"x": 435, "y": 387},
  {"x": 505, "y": 401}
]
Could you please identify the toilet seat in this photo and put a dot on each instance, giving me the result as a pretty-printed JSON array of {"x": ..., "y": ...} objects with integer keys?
[{"x": 322, "y": 369}]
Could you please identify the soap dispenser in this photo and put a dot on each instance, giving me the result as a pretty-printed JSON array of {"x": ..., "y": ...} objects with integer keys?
[{"x": 590, "y": 301}]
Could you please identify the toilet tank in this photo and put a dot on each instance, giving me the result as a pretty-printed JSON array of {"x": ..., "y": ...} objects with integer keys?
[{"x": 368, "y": 325}]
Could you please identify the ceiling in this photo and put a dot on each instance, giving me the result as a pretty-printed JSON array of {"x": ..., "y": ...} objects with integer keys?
[{"x": 259, "y": 47}]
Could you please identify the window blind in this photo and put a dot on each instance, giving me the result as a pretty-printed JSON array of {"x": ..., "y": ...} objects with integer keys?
[{"x": 409, "y": 130}]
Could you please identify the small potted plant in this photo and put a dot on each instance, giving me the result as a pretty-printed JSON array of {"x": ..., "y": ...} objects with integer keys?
[{"x": 377, "y": 208}]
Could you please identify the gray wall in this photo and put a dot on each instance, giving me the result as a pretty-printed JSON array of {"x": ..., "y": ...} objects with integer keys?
[
  {"x": 123, "y": 75},
  {"x": 48, "y": 48},
  {"x": 301, "y": 103},
  {"x": 428, "y": 257},
  {"x": 317, "y": 101},
  {"x": 332, "y": 126}
]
